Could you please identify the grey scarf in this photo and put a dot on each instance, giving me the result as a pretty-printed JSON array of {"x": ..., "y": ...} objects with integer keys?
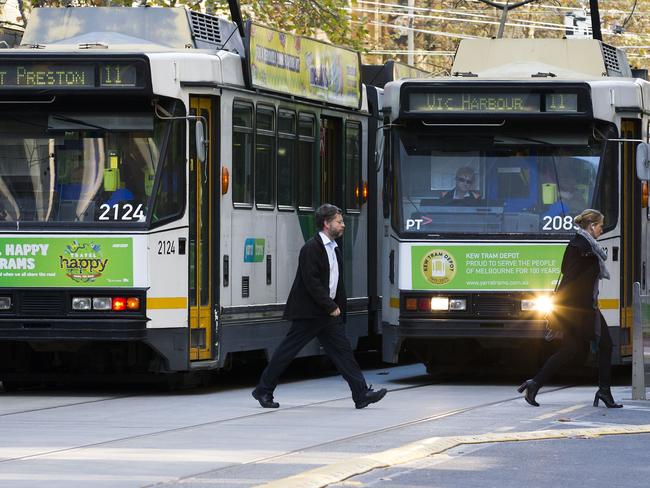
[{"x": 598, "y": 251}]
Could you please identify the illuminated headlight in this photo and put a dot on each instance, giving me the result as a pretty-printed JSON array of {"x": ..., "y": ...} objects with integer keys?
[
  {"x": 542, "y": 303},
  {"x": 81, "y": 303},
  {"x": 440, "y": 303},
  {"x": 5, "y": 303},
  {"x": 457, "y": 304},
  {"x": 102, "y": 303}
]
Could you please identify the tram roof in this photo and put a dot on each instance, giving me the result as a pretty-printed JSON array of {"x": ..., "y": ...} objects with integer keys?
[
  {"x": 539, "y": 58},
  {"x": 128, "y": 29}
]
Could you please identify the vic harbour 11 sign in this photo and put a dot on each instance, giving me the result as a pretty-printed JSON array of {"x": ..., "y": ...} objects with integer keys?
[
  {"x": 68, "y": 75},
  {"x": 493, "y": 102}
]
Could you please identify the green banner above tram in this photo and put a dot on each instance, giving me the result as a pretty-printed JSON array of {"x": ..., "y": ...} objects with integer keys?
[
  {"x": 303, "y": 67},
  {"x": 60, "y": 74}
]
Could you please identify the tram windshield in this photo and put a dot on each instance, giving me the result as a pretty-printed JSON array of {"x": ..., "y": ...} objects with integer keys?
[
  {"x": 520, "y": 182},
  {"x": 71, "y": 164}
]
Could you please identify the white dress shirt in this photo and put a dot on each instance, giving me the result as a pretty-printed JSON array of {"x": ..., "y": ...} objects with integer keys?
[{"x": 330, "y": 245}]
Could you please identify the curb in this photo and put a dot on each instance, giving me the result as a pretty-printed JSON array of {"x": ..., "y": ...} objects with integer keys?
[{"x": 337, "y": 472}]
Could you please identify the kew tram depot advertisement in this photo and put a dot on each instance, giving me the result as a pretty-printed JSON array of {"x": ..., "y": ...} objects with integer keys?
[
  {"x": 486, "y": 267},
  {"x": 69, "y": 262}
]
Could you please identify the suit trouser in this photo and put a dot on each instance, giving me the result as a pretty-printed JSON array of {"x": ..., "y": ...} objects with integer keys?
[
  {"x": 574, "y": 348},
  {"x": 332, "y": 337}
]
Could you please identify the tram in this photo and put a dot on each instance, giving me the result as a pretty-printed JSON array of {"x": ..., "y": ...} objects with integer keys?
[
  {"x": 159, "y": 169},
  {"x": 484, "y": 171}
]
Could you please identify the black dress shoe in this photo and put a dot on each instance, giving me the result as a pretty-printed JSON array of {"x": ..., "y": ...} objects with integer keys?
[
  {"x": 265, "y": 399},
  {"x": 370, "y": 396},
  {"x": 531, "y": 387}
]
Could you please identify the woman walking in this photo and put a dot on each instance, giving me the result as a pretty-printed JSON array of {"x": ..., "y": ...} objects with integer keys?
[{"x": 579, "y": 318}]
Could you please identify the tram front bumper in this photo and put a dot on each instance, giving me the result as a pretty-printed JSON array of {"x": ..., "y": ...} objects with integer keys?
[
  {"x": 419, "y": 329},
  {"x": 73, "y": 329}
]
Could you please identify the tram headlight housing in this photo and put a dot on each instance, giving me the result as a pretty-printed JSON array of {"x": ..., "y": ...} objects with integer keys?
[
  {"x": 5, "y": 303},
  {"x": 541, "y": 303},
  {"x": 81, "y": 303},
  {"x": 457, "y": 304},
  {"x": 102, "y": 303},
  {"x": 107, "y": 304}
]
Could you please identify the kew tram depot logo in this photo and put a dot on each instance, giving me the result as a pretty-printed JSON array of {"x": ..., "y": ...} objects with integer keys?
[
  {"x": 438, "y": 266},
  {"x": 83, "y": 262}
]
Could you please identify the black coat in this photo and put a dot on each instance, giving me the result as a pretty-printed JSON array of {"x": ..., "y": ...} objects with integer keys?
[
  {"x": 575, "y": 294},
  {"x": 310, "y": 296}
]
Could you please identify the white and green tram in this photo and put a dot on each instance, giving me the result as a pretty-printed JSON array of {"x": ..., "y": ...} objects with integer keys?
[
  {"x": 540, "y": 129},
  {"x": 158, "y": 175}
]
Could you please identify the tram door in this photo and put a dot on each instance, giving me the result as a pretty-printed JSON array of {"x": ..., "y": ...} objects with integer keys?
[
  {"x": 201, "y": 234},
  {"x": 331, "y": 147},
  {"x": 631, "y": 267}
]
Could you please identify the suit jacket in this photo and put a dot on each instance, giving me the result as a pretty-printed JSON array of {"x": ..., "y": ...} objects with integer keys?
[
  {"x": 575, "y": 294},
  {"x": 310, "y": 294}
]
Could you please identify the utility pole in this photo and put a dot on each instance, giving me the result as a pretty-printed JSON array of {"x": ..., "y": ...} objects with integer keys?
[{"x": 411, "y": 34}]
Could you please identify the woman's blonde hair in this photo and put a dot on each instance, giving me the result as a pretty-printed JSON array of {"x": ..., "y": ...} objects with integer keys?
[{"x": 587, "y": 217}]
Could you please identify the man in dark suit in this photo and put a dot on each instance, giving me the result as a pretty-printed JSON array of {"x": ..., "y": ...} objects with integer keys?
[{"x": 317, "y": 308}]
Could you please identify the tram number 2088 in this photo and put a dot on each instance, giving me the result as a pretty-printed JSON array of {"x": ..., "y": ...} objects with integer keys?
[{"x": 558, "y": 223}]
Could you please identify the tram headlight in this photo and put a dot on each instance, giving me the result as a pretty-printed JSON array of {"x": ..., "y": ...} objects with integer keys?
[
  {"x": 102, "y": 303},
  {"x": 81, "y": 303},
  {"x": 542, "y": 303},
  {"x": 457, "y": 304},
  {"x": 5, "y": 303},
  {"x": 440, "y": 303}
]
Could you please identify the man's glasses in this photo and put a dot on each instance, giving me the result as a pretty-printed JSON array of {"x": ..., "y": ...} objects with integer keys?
[{"x": 469, "y": 181}]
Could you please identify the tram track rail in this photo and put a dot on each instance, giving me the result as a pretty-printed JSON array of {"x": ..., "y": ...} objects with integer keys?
[
  {"x": 360, "y": 435},
  {"x": 200, "y": 425}
]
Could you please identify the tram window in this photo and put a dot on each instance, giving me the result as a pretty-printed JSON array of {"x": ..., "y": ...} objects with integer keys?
[
  {"x": 353, "y": 184},
  {"x": 606, "y": 200},
  {"x": 306, "y": 161},
  {"x": 242, "y": 154},
  {"x": 286, "y": 157},
  {"x": 264, "y": 156},
  {"x": 170, "y": 196}
]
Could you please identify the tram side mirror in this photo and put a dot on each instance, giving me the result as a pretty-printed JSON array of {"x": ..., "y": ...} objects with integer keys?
[
  {"x": 643, "y": 161},
  {"x": 200, "y": 141}
]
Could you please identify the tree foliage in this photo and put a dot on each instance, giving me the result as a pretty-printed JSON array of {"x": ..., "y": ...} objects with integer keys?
[
  {"x": 453, "y": 19},
  {"x": 438, "y": 25}
]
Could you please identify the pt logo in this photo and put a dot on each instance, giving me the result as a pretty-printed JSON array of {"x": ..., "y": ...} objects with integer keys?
[{"x": 438, "y": 267}]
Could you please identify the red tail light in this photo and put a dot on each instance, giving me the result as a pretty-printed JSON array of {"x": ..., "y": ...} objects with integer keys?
[{"x": 119, "y": 303}]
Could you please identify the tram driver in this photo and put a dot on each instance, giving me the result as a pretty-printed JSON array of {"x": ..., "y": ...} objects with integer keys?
[{"x": 462, "y": 193}]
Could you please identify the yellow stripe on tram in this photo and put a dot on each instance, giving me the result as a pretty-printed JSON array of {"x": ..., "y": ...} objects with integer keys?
[
  {"x": 166, "y": 303},
  {"x": 608, "y": 304}
]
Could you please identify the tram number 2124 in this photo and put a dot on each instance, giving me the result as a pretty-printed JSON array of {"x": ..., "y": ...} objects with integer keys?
[
  {"x": 558, "y": 223},
  {"x": 124, "y": 211}
]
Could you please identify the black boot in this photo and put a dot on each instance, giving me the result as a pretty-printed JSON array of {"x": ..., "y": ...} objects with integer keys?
[
  {"x": 605, "y": 394},
  {"x": 531, "y": 387}
]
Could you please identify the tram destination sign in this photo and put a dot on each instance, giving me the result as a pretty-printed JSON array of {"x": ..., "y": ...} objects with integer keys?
[
  {"x": 38, "y": 74},
  {"x": 502, "y": 102}
]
